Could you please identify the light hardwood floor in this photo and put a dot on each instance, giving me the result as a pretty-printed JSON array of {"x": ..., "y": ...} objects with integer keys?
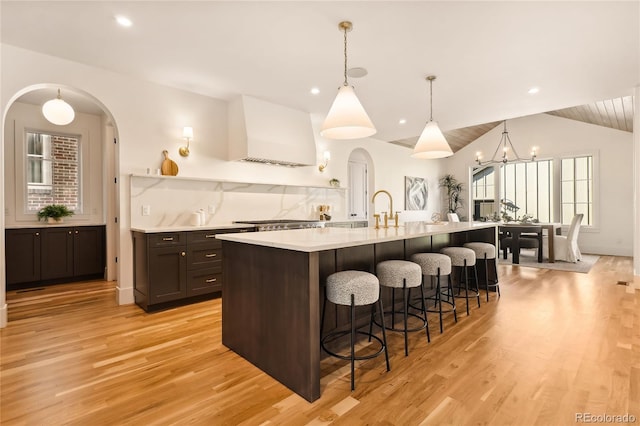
[{"x": 556, "y": 344}]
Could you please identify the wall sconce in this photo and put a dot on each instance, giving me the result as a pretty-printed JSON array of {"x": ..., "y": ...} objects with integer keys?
[
  {"x": 187, "y": 133},
  {"x": 327, "y": 157}
]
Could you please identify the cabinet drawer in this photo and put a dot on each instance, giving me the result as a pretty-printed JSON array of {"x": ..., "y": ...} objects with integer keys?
[
  {"x": 204, "y": 281},
  {"x": 166, "y": 239},
  {"x": 201, "y": 256},
  {"x": 200, "y": 237}
]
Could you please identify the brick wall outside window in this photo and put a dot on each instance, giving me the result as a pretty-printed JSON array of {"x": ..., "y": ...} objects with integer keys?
[{"x": 64, "y": 188}]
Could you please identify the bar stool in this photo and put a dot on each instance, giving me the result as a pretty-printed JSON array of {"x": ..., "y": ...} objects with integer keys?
[
  {"x": 437, "y": 265},
  {"x": 464, "y": 258},
  {"x": 487, "y": 252},
  {"x": 404, "y": 275},
  {"x": 354, "y": 288}
]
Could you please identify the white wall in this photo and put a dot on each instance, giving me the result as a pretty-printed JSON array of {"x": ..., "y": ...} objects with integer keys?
[
  {"x": 556, "y": 137},
  {"x": 149, "y": 118}
]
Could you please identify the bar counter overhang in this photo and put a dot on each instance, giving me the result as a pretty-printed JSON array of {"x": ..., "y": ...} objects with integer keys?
[{"x": 273, "y": 287}]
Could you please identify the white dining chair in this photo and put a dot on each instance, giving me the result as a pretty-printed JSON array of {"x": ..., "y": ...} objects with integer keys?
[
  {"x": 453, "y": 217},
  {"x": 566, "y": 247}
]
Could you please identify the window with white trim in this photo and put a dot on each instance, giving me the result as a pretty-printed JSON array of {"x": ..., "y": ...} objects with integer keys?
[
  {"x": 576, "y": 189},
  {"x": 527, "y": 189},
  {"x": 53, "y": 171}
]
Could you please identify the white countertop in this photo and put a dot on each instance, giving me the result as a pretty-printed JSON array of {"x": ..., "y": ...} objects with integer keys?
[
  {"x": 180, "y": 228},
  {"x": 53, "y": 225},
  {"x": 318, "y": 239}
]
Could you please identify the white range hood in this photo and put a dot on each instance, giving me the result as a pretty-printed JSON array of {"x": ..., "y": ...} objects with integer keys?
[{"x": 263, "y": 132}]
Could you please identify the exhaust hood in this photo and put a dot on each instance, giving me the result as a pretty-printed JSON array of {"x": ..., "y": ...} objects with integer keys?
[{"x": 263, "y": 132}]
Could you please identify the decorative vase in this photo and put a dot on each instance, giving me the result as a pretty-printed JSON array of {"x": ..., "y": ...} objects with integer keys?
[{"x": 55, "y": 220}]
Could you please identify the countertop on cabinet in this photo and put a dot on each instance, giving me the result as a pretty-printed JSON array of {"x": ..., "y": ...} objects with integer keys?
[
  {"x": 180, "y": 228},
  {"x": 318, "y": 239},
  {"x": 53, "y": 225}
]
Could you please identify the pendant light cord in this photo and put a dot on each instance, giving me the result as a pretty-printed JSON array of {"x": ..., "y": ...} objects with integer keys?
[
  {"x": 346, "y": 83},
  {"x": 430, "y": 99}
]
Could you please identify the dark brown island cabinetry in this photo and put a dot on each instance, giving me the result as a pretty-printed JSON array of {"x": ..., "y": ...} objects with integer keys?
[
  {"x": 42, "y": 256},
  {"x": 175, "y": 268}
]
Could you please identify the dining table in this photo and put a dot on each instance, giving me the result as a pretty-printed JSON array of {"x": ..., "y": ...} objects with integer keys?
[{"x": 548, "y": 228}]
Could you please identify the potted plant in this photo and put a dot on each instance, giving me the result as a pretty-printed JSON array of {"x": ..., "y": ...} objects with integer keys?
[
  {"x": 454, "y": 191},
  {"x": 54, "y": 213}
]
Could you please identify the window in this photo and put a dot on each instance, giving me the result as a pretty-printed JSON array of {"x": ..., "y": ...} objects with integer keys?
[
  {"x": 483, "y": 192},
  {"x": 576, "y": 190},
  {"x": 53, "y": 171},
  {"x": 527, "y": 189}
]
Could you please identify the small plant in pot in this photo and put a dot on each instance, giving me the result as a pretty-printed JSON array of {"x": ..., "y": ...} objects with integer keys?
[{"x": 54, "y": 213}]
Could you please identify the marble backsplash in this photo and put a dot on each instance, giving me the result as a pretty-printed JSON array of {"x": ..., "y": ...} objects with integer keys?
[{"x": 171, "y": 201}]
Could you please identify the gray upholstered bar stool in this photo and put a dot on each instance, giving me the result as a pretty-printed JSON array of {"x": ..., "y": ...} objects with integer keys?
[
  {"x": 487, "y": 252},
  {"x": 354, "y": 288},
  {"x": 404, "y": 275},
  {"x": 437, "y": 265},
  {"x": 464, "y": 258}
]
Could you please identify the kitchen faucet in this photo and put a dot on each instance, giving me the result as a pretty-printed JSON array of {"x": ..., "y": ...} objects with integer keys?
[{"x": 386, "y": 218}]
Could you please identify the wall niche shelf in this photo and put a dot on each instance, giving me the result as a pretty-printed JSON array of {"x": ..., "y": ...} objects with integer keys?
[{"x": 229, "y": 182}]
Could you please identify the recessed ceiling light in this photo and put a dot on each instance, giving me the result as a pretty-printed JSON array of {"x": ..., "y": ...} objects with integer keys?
[
  {"x": 314, "y": 90},
  {"x": 402, "y": 121},
  {"x": 357, "y": 72},
  {"x": 123, "y": 21},
  {"x": 533, "y": 90}
]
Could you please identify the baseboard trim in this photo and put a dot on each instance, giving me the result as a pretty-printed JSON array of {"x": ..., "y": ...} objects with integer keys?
[
  {"x": 124, "y": 296},
  {"x": 3, "y": 316}
]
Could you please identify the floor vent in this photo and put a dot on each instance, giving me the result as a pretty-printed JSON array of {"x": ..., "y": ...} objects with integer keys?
[{"x": 622, "y": 283}]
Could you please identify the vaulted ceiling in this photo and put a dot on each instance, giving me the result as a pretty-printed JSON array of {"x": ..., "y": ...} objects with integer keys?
[{"x": 613, "y": 113}]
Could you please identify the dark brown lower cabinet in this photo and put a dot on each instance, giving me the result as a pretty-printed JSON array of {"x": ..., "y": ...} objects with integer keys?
[
  {"x": 41, "y": 256},
  {"x": 174, "y": 268},
  {"x": 57, "y": 253},
  {"x": 22, "y": 255}
]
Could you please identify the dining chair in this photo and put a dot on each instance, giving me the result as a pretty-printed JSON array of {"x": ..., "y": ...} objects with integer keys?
[
  {"x": 513, "y": 239},
  {"x": 566, "y": 247}
]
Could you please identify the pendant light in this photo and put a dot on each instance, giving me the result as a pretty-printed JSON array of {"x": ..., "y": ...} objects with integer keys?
[
  {"x": 57, "y": 111},
  {"x": 347, "y": 119},
  {"x": 506, "y": 145},
  {"x": 431, "y": 143}
]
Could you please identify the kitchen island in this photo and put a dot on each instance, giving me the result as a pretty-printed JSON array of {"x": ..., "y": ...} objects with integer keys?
[{"x": 273, "y": 287}]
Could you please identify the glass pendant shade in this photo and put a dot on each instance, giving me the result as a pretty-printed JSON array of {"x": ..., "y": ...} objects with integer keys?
[
  {"x": 347, "y": 119},
  {"x": 431, "y": 143},
  {"x": 58, "y": 112}
]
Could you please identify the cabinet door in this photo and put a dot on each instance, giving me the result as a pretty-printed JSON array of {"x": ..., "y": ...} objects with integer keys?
[
  {"x": 167, "y": 274},
  {"x": 88, "y": 250},
  {"x": 57, "y": 253},
  {"x": 22, "y": 255}
]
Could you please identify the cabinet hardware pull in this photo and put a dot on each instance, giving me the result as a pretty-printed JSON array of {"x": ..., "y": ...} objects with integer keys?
[
  {"x": 211, "y": 280},
  {"x": 69, "y": 232},
  {"x": 76, "y": 232},
  {"x": 167, "y": 239},
  {"x": 37, "y": 234},
  {"x": 210, "y": 255},
  {"x": 210, "y": 236},
  {"x": 183, "y": 254}
]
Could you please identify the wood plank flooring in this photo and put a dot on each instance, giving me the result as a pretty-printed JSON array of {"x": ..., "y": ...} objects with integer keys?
[{"x": 556, "y": 344}]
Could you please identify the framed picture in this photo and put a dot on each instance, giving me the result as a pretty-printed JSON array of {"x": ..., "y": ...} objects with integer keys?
[{"x": 415, "y": 193}]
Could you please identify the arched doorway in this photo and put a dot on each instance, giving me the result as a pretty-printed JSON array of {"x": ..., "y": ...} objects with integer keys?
[
  {"x": 95, "y": 129},
  {"x": 361, "y": 180}
]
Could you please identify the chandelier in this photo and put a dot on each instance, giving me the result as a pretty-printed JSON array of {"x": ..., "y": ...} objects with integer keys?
[{"x": 506, "y": 145}]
